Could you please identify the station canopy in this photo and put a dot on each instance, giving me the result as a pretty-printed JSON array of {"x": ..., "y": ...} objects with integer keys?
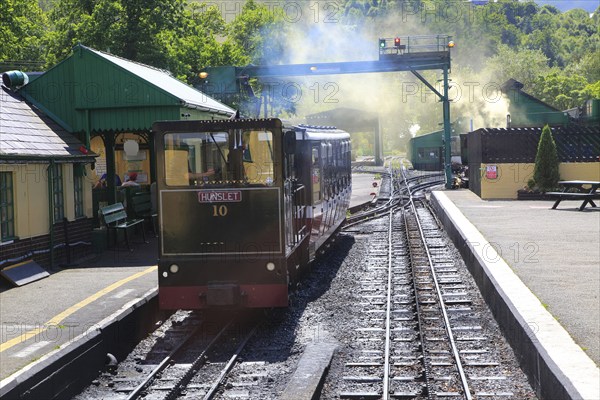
[{"x": 92, "y": 91}]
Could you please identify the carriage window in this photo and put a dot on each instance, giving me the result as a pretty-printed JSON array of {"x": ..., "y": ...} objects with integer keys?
[
  {"x": 316, "y": 175},
  {"x": 235, "y": 157}
]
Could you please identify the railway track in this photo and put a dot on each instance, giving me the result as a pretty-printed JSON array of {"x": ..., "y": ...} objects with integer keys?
[
  {"x": 417, "y": 334},
  {"x": 392, "y": 193},
  {"x": 190, "y": 357}
]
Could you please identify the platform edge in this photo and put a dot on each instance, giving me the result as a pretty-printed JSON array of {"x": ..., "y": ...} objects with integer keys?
[{"x": 541, "y": 364}]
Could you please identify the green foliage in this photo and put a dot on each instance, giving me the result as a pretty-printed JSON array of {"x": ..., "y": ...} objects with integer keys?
[
  {"x": 588, "y": 67},
  {"x": 260, "y": 32},
  {"x": 545, "y": 173},
  {"x": 592, "y": 91},
  {"x": 555, "y": 55},
  {"x": 133, "y": 29},
  {"x": 23, "y": 27},
  {"x": 523, "y": 65},
  {"x": 560, "y": 90}
]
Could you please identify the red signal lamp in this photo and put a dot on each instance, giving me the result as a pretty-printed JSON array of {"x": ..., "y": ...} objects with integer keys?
[{"x": 397, "y": 42}]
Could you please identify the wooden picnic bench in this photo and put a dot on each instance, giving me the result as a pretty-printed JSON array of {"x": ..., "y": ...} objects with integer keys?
[
  {"x": 574, "y": 190},
  {"x": 140, "y": 205},
  {"x": 115, "y": 218}
]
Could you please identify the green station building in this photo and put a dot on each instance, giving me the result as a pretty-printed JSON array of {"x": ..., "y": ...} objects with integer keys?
[{"x": 107, "y": 104}]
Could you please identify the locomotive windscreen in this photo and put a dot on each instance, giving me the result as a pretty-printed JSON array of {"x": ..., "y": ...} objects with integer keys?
[{"x": 219, "y": 158}]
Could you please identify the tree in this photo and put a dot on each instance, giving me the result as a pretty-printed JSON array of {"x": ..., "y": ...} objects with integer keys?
[
  {"x": 545, "y": 173},
  {"x": 260, "y": 32},
  {"x": 23, "y": 28},
  {"x": 258, "y": 36},
  {"x": 561, "y": 90},
  {"x": 592, "y": 90},
  {"x": 589, "y": 66},
  {"x": 132, "y": 29},
  {"x": 523, "y": 65}
]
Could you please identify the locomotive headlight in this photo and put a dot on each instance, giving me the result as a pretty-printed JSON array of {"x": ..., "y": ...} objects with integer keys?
[
  {"x": 271, "y": 266},
  {"x": 174, "y": 268}
]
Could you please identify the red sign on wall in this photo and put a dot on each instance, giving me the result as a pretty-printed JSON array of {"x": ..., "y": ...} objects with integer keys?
[{"x": 491, "y": 171}]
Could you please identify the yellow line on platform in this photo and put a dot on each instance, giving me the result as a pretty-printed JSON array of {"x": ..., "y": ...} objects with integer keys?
[{"x": 63, "y": 315}]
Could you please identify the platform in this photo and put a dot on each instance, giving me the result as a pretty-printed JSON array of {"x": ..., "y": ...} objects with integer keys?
[
  {"x": 363, "y": 189},
  {"x": 540, "y": 273},
  {"x": 42, "y": 317},
  {"x": 42, "y": 321}
]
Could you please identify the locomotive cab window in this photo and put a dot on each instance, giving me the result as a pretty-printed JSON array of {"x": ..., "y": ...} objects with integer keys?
[{"x": 235, "y": 157}]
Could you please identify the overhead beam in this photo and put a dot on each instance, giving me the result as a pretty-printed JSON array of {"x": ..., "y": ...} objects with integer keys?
[{"x": 408, "y": 62}]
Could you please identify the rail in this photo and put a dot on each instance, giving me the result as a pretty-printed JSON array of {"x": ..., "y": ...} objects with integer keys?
[{"x": 438, "y": 291}]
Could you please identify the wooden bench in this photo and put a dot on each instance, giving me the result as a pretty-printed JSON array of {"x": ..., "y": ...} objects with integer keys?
[
  {"x": 115, "y": 218},
  {"x": 140, "y": 205}
]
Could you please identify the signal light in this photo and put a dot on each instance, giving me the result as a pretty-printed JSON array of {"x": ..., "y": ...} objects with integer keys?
[
  {"x": 397, "y": 42},
  {"x": 381, "y": 43}
]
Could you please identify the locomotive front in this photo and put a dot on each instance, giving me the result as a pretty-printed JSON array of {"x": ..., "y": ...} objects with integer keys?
[{"x": 220, "y": 214}]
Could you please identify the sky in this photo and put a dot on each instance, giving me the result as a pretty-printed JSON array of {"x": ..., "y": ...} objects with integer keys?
[{"x": 564, "y": 5}]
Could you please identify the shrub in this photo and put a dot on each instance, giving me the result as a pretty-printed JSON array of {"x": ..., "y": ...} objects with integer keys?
[{"x": 545, "y": 173}]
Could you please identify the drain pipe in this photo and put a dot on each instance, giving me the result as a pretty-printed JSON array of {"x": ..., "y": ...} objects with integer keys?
[{"x": 51, "y": 209}]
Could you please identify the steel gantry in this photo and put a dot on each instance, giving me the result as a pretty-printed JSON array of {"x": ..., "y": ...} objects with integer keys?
[{"x": 401, "y": 53}]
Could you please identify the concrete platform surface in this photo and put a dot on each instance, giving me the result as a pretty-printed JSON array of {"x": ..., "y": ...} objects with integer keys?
[
  {"x": 539, "y": 271},
  {"x": 38, "y": 318},
  {"x": 556, "y": 253},
  {"x": 363, "y": 190}
]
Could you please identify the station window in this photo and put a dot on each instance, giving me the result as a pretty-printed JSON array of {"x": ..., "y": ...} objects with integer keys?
[
  {"x": 78, "y": 192},
  {"x": 78, "y": 184},
  {"x": 58, "y": 193},
  {"x": 7, "y": 207},
  {"x": 431, "y": 153}
]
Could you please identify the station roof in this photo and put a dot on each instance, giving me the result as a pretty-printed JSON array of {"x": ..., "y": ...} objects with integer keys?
[
  {"x": 93, "y": 91},
  {"x": 28, "y": 134},
  {"x": 163, "y": 80},
  {"x": 574, "y": 143}
]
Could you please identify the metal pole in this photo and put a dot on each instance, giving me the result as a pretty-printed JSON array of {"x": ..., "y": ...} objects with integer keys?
[
  {"x": 109, "y": 146},
  {"x": 447, "y": 132}
]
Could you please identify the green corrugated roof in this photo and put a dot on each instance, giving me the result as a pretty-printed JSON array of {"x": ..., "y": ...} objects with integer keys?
[
  {"x": 187, "y": 95},
  {"x": 101, "y": 92}
]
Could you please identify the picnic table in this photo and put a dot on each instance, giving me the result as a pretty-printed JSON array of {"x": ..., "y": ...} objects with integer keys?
[{"x": 577, "y": 190}]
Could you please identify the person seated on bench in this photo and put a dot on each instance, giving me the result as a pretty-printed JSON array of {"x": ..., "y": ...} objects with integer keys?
[
  {"x": 131, "y": 181},
  {"x": 102, "y": 182}
]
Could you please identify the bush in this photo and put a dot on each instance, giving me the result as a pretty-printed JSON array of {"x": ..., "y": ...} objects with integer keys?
[{"x": 545, "y": 173}]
